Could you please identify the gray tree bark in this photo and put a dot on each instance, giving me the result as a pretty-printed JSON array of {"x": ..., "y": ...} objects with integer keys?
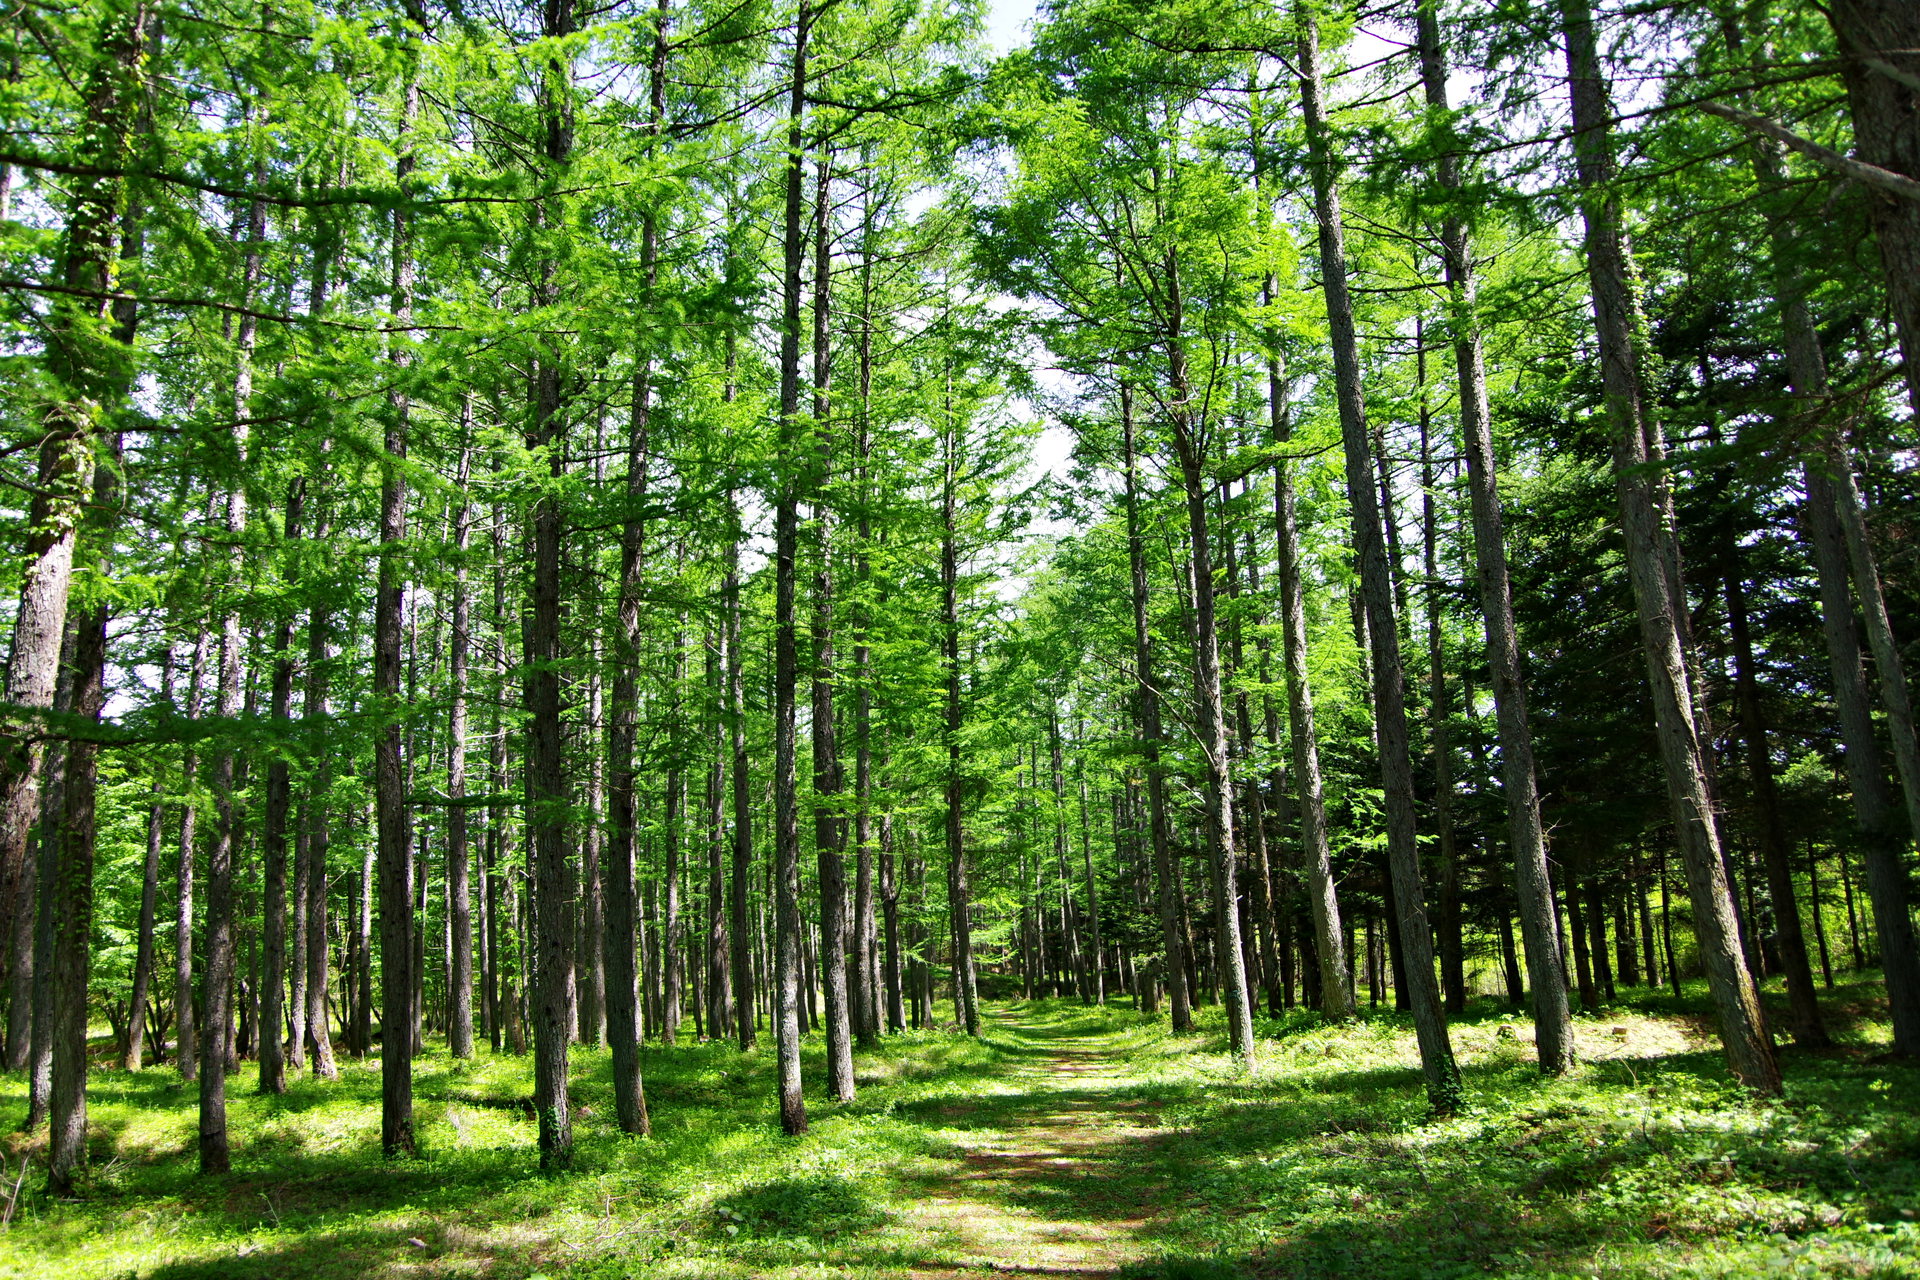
[
  {"x": 1389, "y": 694},
  {"x": 794, "y": 450},
  {"x": 1651, "y": 558},
  {"x": 1147, "y": 704}
]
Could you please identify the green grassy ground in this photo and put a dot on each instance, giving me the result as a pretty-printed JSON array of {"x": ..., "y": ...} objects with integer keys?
[{"x": 1646, "y": 1162}]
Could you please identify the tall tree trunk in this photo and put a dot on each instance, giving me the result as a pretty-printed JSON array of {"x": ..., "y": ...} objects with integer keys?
[
  {"x": 134, "y": 1057},
  {"x": 394, "y": 839},
  {"x": 866, "y": 996},
  {"x": 273, "y": 841},
  {"x": 1650, "y": 562},
  {"x": 1209, "y": 698},
  {"x": 318, "y": 816},
  {"x": 1888, "y": 662},
  {"x": 459, "y": 894},
  {"x": 828, "y": 774},
  {"x": 87, "y": 365},
  {"x": 216, "y": 1043},
  {"x": 1526, "y": 834},
  {"x": 1803, "y": 1002},
  {"x": 794, "y": 448},
  {"x": 1883, "y": 845},
  {"x": 621, "y": 905},
  {"x": 671, "y": 971},
  {"x": 1097, "y": 971},
  {"x": 1389, "y": 694},
  {"x": 891, "y": 966},
  {"x": 1453, "y": 982},
  {"x": 719, "y": 993},
  {"x": 552, "y": 878},
  {"x": 1823, "y": 463},
  {"x": 69, "y": 892},
  {"x": 959, "y": 889},
  {"x": 1147, "y": 707},
  {"x": 746, "y": 1003}
]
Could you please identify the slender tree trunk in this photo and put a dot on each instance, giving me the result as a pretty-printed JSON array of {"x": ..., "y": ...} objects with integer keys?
[
  {"x": 1882, "y": 844},
  {"x": 794, "y": 448},
  {"x": 273, "y": 841},
  {"x": 1147, "y": 704},
  {"x": 134, "y": 1057},
  {"x": 394, "y": 838},
  {"x": 1389, "y": 695},
  {"x": 1229, "y": 955},
  {"x": 70, "y": 894},
  {"x": 1651, "y": 560},
  {"x": 1098, "y": 971},
  {"x": 866, "y": 997},
  {"x": 1552, "y": 1020},
  {"x": 746, "y": 1004},
  {"x": 621, "y": 941},
  {"x": 890, "y": 910},
  {"x": 719, "y": 993},
  {"x": 672, "y": 972},
  {"x": 1803, "y": 1002},
  {"x": 1453, "y": 982},
  {"x": 216, "y": 1042},
  {"x": 459, "y": 895},
  {"x": 318, "y": 815},
  {"x": 1819, "y": 916},
  {"x": 828, "y": 774},
  {"x": 959, "y": 890}
]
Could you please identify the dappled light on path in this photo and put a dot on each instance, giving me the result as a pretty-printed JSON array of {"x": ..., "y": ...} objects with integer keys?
[{"x": 1036, "y": 1193}]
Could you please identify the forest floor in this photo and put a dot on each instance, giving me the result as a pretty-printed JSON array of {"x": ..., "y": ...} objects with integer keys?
[{"x": 1066, "y": 1141}]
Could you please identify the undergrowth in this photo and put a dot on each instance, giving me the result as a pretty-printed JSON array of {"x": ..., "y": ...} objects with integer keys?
[{"x": 1645, "y": 1161}]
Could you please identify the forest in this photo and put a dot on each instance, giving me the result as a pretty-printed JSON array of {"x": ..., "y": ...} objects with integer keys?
[{"x": 910, "y": 638}]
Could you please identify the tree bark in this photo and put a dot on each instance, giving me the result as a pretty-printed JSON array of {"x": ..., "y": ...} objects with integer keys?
[
  {"x": 134, "y": 1057},
  {"x": 621, "y": 906},
  {"x": 1147, "y": 707},
  {"x": 1526, "y": 834},
  {"x": 1880, "y": 64},
  {"x": 273, "y": 841},
  {"x": 459, "y": 892},
  {"x": 828, "y": 775},
  {"x": 1650, "y": 561},
  {"x": 794, "y": 450},
  {"x": 317, "y": 811},
  {"x": 746, "y": 1004},
  {"x": 959, "y": 890},
  {"x": 70, "y": 893},
  {"x": 719, "y": 993},
  {"x": 88, "y": 367},
  {"x": 1803, "y": 1001},
  {"x": 1883, "y": 845},
  {"x": 1389, "y": 694},
  {"x": 394, "y": 838}
]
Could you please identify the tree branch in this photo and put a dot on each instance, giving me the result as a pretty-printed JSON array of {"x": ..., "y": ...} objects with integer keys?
[{"x": 1846, "y": 166}]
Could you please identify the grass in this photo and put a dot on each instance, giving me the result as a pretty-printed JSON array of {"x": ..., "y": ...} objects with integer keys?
[{"x": 1148, "y": 1149}]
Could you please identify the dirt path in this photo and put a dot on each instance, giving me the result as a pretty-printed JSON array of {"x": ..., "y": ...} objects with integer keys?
[{"x": 1039, "y": 1191}]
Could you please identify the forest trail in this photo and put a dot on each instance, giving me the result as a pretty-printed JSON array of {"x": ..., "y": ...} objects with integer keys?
[{"x": 1040, "y": 1191}]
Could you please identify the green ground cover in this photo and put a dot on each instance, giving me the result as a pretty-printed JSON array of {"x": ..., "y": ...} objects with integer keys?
[{"x": 1144, "y": 1151}]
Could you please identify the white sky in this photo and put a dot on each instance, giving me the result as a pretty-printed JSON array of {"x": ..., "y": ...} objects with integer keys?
[{"x": 1007, "y": 23}]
